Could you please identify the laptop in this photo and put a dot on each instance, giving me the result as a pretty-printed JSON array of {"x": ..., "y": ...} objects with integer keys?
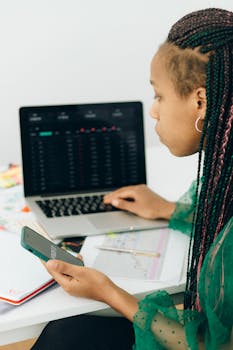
[{"x": 72, "y": 156}]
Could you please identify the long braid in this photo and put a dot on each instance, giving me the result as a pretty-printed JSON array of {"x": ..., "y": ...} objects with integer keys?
[{"x": 211, "y": 31}]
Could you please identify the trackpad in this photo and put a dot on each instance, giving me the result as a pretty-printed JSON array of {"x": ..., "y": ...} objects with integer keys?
[{"x": 117, "y": 220}]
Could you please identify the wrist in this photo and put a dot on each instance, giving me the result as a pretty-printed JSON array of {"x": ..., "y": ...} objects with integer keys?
[
  {"x": 169, "y": 210},
  {"x": 165, "y": 210},
  {"x": 121, "y": 301}
]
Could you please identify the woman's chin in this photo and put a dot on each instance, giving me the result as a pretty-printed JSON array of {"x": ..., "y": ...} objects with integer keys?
[{"x": 178, "y": 152}]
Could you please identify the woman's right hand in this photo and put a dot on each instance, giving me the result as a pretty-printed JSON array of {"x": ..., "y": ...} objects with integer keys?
[
  {"x": 81, "y": 281},
  {"x": 142, "y": 201}
]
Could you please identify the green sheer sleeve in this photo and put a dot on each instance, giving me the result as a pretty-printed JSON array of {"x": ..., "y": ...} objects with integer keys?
[
  {"x": 159, "y": 325},
  {"x": 182, "y": 217}
]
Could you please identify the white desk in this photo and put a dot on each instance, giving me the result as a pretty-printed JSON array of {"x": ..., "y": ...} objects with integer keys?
[{"x": 167, "y": 175}]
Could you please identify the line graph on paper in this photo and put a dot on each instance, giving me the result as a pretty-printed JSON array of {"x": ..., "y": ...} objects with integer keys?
[{"x": 126, "y": 265}]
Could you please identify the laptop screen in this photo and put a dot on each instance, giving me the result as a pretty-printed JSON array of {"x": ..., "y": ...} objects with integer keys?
[{"x": 82, "y": 148}]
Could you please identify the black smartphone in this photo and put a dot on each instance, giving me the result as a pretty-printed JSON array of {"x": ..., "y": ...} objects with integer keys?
[{"x": 45, "y": 249}]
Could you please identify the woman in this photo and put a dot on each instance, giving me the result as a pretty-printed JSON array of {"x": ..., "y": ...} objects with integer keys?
[{"x": 192, "y": 76}]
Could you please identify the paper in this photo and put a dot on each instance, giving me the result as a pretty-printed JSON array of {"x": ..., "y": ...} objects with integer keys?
[
  {"x": 22, "y": 273},
  {"x": 172, "y": 246},
  {"x": 14, "y": 213},
  {"x": 12, "y": 204}
]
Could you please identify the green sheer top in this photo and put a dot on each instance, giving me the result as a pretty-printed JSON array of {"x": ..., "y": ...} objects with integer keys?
[{"x": 159, "y": 325}]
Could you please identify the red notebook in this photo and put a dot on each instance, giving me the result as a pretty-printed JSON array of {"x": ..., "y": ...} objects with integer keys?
[{"x": 22, "y": 275}]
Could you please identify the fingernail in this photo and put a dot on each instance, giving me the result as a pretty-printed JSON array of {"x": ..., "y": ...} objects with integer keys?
[{"x": 115, "y": 202}]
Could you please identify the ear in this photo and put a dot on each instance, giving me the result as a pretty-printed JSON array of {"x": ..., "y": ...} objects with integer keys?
[{"x": 201, "y": 101}]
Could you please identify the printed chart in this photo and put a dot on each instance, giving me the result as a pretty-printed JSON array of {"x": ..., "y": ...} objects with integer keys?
[{"x": 128, "y": 265}]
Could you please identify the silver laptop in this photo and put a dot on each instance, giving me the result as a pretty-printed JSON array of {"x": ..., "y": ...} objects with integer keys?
[{"x": 72, "y": 156}]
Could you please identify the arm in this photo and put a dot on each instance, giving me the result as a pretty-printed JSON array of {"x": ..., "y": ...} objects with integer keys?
[
  {"x": 156, "y": 319},
  {"x": 90, "y": 283},
  {"x": 159, "y": 321},
  {"x": 172, "y": 335}
]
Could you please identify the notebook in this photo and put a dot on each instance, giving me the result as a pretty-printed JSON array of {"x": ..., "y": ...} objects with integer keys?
[
  {"x": 72, "y": 156},
  {"x": 22, "y": 274}
]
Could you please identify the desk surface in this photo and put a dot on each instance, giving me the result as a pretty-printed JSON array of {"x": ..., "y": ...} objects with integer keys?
[{"x": 170, "y": 177}]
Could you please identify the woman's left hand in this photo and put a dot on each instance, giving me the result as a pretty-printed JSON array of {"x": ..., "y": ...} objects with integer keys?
[{"x": 81, "y": 281}]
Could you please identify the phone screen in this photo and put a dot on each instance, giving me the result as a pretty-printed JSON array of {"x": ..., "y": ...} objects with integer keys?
[{"x": 45, "y": 249}]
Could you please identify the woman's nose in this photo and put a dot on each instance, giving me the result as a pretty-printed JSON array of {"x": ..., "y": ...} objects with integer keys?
[{"x": 153, "y": 111}]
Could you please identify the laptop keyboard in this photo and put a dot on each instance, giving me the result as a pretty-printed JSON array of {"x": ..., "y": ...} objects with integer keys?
[{"x": 74, "y": 206}]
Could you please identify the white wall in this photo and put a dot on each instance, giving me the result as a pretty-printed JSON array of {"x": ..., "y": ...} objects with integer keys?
[{"x": 73, "y": 51}]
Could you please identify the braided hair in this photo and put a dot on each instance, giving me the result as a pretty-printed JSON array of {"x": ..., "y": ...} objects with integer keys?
[{"x": 210, "y": 32}]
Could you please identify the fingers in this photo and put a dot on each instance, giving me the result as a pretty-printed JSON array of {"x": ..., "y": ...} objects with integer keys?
[
  {"x": 61, "y": 267},
  {"x": 64, "y": 274},
  {"x": 63, "y": 280},
  {"x": 122, "y": 193},
  {"x": 78, "y": 281},
  {"x": 123, "y": 204}
]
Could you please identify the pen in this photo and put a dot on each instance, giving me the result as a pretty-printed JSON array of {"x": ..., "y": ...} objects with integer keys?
[{"x": 131, "y": 251}]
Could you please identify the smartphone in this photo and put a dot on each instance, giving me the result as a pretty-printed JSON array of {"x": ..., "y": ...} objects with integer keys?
[{"x": 45, "y": 249}]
